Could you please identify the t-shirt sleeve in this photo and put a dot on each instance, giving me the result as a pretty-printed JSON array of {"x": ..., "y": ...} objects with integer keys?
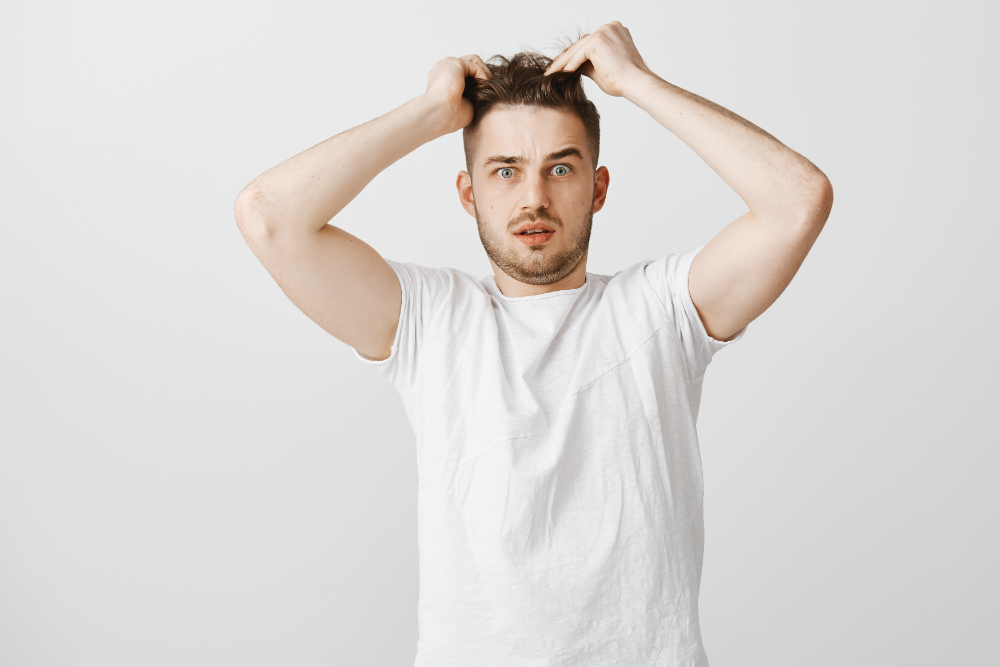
[
  {"x": 421, "y": 288},
  {"x": 669, "y": 279}
]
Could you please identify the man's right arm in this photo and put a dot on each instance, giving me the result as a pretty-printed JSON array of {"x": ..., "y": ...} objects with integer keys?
[{"x": 335, "y": 278}]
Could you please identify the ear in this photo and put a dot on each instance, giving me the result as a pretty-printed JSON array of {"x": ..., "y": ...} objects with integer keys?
[
  {"x": 601, "y": 180},
  {"x": 465, "y": 196}
]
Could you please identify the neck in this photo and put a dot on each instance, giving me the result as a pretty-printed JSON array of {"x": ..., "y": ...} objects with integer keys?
[{"x": 514, "y": 288}]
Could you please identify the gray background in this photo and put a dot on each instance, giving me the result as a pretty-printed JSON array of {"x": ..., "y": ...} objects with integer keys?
[{"x": 193, "y": 473}]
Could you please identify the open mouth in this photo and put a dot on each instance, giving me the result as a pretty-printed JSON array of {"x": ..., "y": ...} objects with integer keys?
[
  {"x": 535, "y": 235},
  {"x": 534, "y": 228}
]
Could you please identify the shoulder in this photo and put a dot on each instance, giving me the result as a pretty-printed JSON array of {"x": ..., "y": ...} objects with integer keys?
[
  {"x": 628, "y": 296},
  {"x": 430, "y": 291},
  {"x": 644, "y": 277},
  {"x": 434, "y": 279}
]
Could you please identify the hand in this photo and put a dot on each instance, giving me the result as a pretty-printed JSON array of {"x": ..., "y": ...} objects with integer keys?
[
  {"x": 446, "y": 83},
  {"x": 607, "y": 55}
]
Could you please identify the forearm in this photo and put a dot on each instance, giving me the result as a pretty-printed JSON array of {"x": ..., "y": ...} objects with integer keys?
[
  {"x": 774, "y": 181},
  {"x": 304, "y": 192}
]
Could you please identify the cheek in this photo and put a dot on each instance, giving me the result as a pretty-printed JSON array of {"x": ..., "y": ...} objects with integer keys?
[
  {"x": 489, "y": 217},
  {"x": 495, "y": 207}
]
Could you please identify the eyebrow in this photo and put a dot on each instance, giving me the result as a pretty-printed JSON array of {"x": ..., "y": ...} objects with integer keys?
[{"x": 509, "y": 159}]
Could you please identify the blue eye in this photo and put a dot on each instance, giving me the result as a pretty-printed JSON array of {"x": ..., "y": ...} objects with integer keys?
[
  {"x": 560, "y": 170},
  {"x": 506, "y": 172}
]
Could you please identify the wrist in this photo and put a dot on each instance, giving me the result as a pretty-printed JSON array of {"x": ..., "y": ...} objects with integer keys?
[
  {"x": 639, "y": 81},
  {"x": 436, "y": 115}
]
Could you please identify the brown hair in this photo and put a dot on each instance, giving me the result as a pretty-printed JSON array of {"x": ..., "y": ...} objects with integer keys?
[{"x": 520, "y": 81}]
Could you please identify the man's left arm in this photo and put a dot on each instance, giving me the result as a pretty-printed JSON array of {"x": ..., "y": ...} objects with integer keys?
[{"x": 743, "y": 270}]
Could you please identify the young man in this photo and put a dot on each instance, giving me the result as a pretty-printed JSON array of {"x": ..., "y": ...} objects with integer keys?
[{"x": 560, "y": 485}]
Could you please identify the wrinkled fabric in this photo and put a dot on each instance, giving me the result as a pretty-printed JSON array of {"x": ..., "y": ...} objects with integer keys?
[{"x": 560, "y": 486}]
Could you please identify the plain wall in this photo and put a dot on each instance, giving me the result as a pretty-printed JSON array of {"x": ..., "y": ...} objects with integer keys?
[{"x": 193, "y": 473}]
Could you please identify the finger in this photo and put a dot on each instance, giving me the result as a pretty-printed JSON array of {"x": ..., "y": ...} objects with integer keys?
[
  {"x": 579, "y": 57},
  {"x": 562, "y": 58},
  {"x": 474, "y": 66},
  {"x": 588, "y": 70}
]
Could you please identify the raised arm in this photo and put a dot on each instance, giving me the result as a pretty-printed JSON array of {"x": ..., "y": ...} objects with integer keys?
[
  {"x": 336, "y": 279},
  {"x": 743, "y": 270}
]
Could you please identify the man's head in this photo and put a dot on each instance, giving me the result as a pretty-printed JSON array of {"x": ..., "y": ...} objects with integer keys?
[{"x": 531, "y": 151}]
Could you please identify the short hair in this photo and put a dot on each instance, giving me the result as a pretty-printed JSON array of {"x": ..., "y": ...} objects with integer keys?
[{"x": 520, "y": 81}]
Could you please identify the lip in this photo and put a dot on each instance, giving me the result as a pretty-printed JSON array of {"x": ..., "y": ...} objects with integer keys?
[
  {"x": 534, "y": 239},
  {"x": 534, "y": 225}
]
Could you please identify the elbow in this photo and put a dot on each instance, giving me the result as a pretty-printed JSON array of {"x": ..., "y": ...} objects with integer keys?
[
  {"x": 250, "y": 219},
  {"x": 822, "y": 202},
  {"x": 809, "y": 194},
  {"x": 247, "y": 211},
  {"x": 814, "y": 197}
]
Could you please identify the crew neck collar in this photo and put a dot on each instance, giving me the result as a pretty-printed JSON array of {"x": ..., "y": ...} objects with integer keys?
[{"x": 561, "y": 292}]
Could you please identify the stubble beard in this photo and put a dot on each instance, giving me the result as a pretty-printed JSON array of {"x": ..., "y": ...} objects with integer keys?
[{"x": 542, "y": 267}]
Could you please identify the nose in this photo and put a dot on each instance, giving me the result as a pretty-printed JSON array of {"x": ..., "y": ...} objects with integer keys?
[{"x": 535, "y": 192}]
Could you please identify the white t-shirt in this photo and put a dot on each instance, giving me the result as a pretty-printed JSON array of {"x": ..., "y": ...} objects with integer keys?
[{"x": 559, "y": 509}]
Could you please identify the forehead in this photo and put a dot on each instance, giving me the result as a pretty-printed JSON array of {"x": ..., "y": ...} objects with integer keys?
[{"x": 529, "y": 132}]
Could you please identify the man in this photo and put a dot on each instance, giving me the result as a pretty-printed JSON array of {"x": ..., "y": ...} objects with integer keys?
[{"x": 560, "y": 486}]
